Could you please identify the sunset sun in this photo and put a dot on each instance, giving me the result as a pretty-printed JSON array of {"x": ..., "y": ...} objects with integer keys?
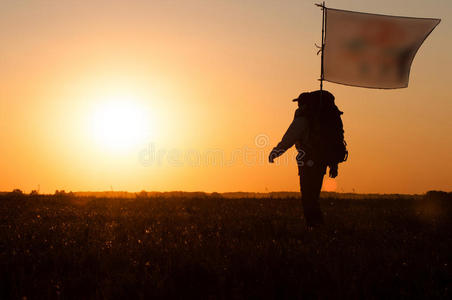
[{"x": 119, "y": 123}]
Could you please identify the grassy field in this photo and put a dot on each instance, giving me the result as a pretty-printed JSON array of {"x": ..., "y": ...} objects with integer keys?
[{"x": 64, "y": 247}]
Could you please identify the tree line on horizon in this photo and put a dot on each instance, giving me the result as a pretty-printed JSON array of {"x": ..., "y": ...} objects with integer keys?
[{"x": 429, "y": 195}]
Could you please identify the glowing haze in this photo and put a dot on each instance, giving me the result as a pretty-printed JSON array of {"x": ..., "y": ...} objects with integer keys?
[{"x": 191, "y": 95}]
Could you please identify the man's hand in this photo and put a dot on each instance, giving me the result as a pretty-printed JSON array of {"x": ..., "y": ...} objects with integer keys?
[
  {"x": 333, "y": 171},
  {"x": 274, "y": 154},
  {"x": 271, "y": 159}
]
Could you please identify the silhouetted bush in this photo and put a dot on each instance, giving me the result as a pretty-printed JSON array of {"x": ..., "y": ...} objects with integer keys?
[
  {"x": 216, "y": 195},
  {"x": 438, "y": 195},
  {"x": 17, "y": 192},
  {"x": 62, "y": 194},
  {"x": 141, "y": 195}
]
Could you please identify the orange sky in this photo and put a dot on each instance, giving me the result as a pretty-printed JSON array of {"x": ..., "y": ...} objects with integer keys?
[{"x": 212, "y": 80}]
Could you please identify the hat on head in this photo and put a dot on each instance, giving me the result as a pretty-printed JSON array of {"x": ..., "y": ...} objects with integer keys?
[
  {"x": 314, "y": 96},
  {"x": 324, "y": 94},
  {"x": 302, "y": 97}
]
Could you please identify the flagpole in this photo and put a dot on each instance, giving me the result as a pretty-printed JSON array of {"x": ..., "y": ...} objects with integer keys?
[{"x": 323, "y": 43}]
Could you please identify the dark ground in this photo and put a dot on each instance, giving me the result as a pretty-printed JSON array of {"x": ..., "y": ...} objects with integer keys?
[{"x": 79, "y": 248}]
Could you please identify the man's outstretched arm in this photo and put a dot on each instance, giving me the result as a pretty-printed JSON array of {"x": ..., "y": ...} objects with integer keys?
[{"x": 294, "y": 133}]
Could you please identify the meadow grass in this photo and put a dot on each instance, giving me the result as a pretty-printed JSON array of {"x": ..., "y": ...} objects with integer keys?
[{"x": 60, "y": 247}]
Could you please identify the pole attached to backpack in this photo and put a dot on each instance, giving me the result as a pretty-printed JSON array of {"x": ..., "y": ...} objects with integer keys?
[{"x": 322, "y": 48}]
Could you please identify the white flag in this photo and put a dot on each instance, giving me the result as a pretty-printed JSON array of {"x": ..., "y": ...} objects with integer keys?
[{"x": 374, "y": 51}]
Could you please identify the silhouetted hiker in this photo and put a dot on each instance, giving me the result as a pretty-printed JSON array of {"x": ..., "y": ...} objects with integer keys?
[{"x": 318, "y": 135}]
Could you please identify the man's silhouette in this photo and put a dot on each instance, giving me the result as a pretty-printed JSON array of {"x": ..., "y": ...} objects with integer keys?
[{"x": 311, "y": 167}]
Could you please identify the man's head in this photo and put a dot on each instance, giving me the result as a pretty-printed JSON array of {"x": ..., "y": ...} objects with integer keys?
[
  {"x": 302, "y": 98},
  {"x": 312, "y": 99}
]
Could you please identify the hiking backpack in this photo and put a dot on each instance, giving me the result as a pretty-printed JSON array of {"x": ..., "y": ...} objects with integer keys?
[{"x": 326, "y": 137}]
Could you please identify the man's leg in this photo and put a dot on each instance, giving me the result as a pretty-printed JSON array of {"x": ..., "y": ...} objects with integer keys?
[{"x": 311, "y": 178}]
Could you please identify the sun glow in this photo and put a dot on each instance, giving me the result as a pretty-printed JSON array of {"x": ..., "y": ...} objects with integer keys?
[{"x": 119, "y": 123}]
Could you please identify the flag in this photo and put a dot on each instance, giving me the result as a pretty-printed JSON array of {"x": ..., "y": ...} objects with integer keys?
[{"x": 369, "y": 50}]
